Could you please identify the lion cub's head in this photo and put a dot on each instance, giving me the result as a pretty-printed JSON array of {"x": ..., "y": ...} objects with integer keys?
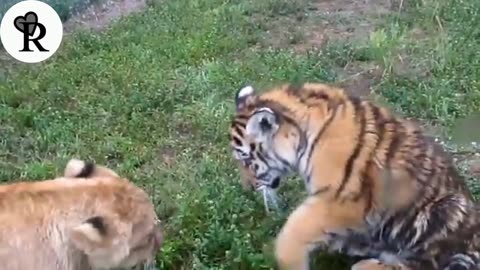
[{"x": 125, "y": 232}]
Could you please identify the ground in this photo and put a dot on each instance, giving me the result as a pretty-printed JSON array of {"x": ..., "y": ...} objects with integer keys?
[{"x": 151, "y": 95}]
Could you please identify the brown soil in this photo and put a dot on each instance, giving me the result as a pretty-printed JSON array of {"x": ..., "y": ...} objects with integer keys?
[
  {"x": 336, "y": 20},
  {"x": 97, "y": 17},
  {"x": 348, "y": 21},
  {"x": 329, "y": 20},
  {"x": 359, "y": 78},
  {"x": 168, "y": 156},
  {"x": 345, "y": 20}
]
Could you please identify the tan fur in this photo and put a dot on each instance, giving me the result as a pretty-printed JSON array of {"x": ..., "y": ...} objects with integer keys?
[{"x": 49, "y": 225}]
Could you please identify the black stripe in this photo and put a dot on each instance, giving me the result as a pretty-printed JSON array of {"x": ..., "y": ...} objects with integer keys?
[
  {"x": 240, "y": 117},
  {"x": 379, "y": 124},
  {"x": 319, "y": 135},
  {"x": 397, "y": 137},
  {"x": 321, "y": 190},
  {"x": 239, "y": 131},
  {"x": 360, "y": 115},
  {"x": 290, "y": 121},
  {"x": 318, "y": 95},
  {"x": 383, "y": 234},
  {"x": 237, "y": 141},
  {"x": 434, "y": 224},
  {"x": 294, "y": 88},
  {"x": 87, "y": 170},
  {"x": 304, "y": 95},
  {"x": 367, "y": 185},
  {"x": 278, "y": 109},
  {"x": 262, "y": 175},
  {"x": 240, "y": 123},
  {"x": 398, "y": 133},
  {"x": 302, "y": 145},
  {"x": 366, "y": 191},
  {"x": 309, "y": 177},
  {"x": 302, "y": 139},
  {"x": 259, "y": 156},
  {"x": 283, "y": 161}
]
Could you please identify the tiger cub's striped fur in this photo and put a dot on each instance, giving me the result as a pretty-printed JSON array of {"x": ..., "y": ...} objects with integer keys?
[{"x": 378, "y": 187}]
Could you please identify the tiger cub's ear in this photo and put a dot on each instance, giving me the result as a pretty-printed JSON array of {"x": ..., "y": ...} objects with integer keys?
[
  {"x": 243, "y": 95},
  {"x": 262, "y": 124}
]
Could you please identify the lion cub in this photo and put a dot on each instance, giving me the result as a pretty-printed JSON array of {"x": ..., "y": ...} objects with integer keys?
[{"x": 90, "y": 218}]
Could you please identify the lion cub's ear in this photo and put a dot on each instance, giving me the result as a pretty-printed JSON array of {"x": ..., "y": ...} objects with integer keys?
[
  {"x": 104, "y": 241},
  {"x": 82, "y": 169},
  {"x": 92, "y": 231}
]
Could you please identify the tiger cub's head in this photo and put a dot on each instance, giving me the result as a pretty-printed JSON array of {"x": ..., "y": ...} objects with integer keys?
[
  {"x": 126, "y": 231},
  {"x": 263, "y": 139}
]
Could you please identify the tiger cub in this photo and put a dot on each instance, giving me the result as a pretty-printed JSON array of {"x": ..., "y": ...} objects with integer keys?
[
  {"x": 90, "y": 218},
  {"x": 378, "y": 187}
]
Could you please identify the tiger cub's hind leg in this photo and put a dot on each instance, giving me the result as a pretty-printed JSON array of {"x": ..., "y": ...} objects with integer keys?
[
  {"x": 374, "y": 264},
  {"x": 463, "y": 262},
  {"x": 459, "y": 261},
  {"x": 311, "y": 223}
]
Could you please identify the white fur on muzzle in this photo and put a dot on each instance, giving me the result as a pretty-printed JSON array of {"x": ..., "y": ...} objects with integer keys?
[{"x": 270, "y": 197}]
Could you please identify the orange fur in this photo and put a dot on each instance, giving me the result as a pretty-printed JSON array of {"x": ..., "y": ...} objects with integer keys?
[
  {"x": 97, "y": 221},
  {"x": 361, "y": 164}
]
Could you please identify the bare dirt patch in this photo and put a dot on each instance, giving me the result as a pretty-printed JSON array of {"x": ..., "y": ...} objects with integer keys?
[
  {"x": 346, "y": 20},
  {"x": 168, "y": 156},
  {"x": 359, "y": 78},
  {"x": 99, "y": 16},
  {"x": 329, "y": 20}
]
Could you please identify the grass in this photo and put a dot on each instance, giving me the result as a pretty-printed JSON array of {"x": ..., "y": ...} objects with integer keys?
[
  {"x": 152, "y": 97},
  {"x": 444, "y": 56}
]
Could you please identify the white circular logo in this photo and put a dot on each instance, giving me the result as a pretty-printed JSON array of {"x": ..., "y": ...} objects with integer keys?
[{"x": 31, "y": 31}]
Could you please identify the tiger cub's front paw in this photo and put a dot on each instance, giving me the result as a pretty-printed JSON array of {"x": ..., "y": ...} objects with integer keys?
[{"x": 374, "y": 264}]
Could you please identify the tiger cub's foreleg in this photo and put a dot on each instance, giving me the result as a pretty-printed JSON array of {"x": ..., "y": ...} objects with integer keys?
[
  {"x": 374, "y": 264},
  {"x": 311, "y": 224}
]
